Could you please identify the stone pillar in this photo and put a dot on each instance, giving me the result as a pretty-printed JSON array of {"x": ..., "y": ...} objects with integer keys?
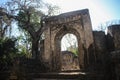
[
  {"x": 89, "y": 55},
  {"x": 46, "y": 57}
]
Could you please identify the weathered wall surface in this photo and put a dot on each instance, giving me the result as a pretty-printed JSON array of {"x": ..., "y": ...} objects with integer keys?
[
  {"x": 107, "y": 49},
  {"x": 69, "y": 61},
  {"x": 100, "y": 41},
  {"x": 114, "y": 37},
  {"x": 114, "y": 33},
  {"x": 100, "y": 49}
]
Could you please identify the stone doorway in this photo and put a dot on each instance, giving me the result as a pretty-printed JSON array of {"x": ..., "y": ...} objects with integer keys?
[
  {"x": 67, "y": 66},
  {"x": 69, "y": 53}
]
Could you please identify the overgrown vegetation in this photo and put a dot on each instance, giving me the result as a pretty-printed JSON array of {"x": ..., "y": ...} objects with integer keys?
[
  {"x": 8, "y": 51},
  {"x": 28, "y": 16}
]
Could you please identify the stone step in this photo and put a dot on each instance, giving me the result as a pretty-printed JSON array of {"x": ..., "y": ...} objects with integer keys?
[
  {"x": 61, "y": 76},
  {"x": 56, "y": 79},
  {"x": 54, "y": 76}
]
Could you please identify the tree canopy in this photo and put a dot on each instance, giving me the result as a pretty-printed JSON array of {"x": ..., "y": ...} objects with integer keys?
[{"x": 29, "y": 15}]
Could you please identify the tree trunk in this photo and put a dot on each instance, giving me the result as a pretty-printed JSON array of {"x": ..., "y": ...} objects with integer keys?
[{"x": 35, "y": 43}]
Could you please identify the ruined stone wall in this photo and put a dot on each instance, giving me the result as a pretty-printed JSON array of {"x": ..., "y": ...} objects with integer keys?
[
  {"x": 100, "y": 41},
  {"x": 77, "y": 23},
  {"x": 69, "y": 61},
  {"x": 100, "y": 49},
  {"x": 107, "y": 49},
  {"x": 114, "y": 33}
]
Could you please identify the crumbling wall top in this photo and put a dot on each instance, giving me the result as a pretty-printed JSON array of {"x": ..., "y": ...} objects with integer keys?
[{"x": 66, "y": 17}]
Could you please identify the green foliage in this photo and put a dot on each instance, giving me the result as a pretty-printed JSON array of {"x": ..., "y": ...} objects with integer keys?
[
  {"x": 24, "y": 44},
  {"x": 24, "y": 52},
  {"x": 7, "y": 52},
  {"x": 30, "y": 17},
  {"x": 75, "y": 51},
  {"x": 22, "y": 16},
  {"x": 7, "y": 46}
]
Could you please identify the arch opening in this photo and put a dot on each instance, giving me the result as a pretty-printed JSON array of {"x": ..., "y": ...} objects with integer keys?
[{"x": 69, "y": 52}]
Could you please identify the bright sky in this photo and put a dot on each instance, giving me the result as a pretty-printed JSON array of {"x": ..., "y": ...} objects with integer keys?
[{"x": 100, "y": 11}]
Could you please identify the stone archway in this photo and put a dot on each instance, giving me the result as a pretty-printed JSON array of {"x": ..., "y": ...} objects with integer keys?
[
  {"x": 58, "y": 38},
  {"x": 77, "y": 23}
]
